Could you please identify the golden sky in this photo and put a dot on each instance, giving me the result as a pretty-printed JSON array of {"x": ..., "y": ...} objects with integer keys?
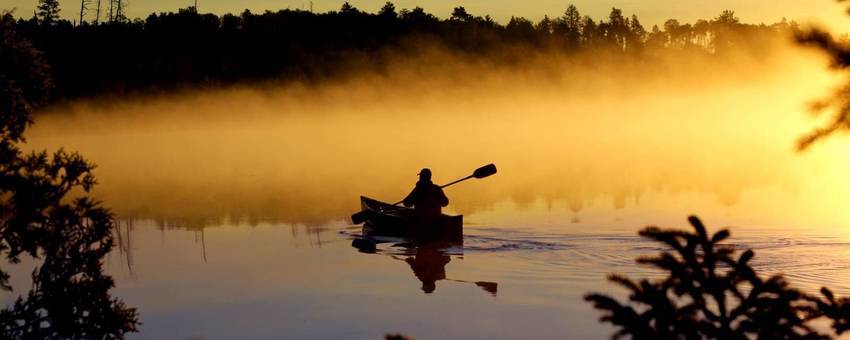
[{"x": 649, "y": 11}]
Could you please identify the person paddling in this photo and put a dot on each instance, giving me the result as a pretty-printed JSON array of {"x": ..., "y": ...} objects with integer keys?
[{"x": 427, "y": 198}]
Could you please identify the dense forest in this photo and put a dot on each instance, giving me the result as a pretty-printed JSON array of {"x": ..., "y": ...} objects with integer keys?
[{"x": 169, "y": 50}]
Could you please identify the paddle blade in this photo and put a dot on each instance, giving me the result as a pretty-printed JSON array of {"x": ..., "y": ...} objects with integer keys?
[
  {"x": 490, "y": 287},
  {"x": 484, "y": 171}
]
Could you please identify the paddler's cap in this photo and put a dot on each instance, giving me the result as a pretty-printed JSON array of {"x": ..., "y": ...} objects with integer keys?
[{"x": 425, "y": 172}]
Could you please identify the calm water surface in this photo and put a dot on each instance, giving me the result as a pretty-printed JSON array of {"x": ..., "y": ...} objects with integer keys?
[
  {"x": 233, "y": 204},
  {"x": 283, "y": 281}
]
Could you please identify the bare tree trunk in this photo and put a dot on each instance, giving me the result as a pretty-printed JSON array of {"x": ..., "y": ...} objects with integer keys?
[
  {"x": 97, "y": 14},
  {"x": 119, "y": 6},
  {"x": 84, "y": 9}
]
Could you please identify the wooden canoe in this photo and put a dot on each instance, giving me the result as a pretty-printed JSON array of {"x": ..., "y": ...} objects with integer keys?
[{"x": 392, "y": 220}]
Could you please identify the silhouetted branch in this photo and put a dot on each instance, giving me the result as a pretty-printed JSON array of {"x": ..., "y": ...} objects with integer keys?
[
  {"x": 839, "y": 55},
  {"x": 710, "y": 294}
]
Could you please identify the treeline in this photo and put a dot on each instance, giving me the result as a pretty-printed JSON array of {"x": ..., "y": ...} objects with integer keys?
[{"x": 187, "y": 48}]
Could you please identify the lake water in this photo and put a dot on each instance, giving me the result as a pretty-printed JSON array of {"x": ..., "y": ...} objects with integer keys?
[{"x": 233, "y": 204}]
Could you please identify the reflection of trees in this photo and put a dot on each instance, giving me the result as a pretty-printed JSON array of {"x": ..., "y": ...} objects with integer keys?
[
  {"x": 70, "y": 293},
  {"x": 125, "y": 242},
  {"x": 195, "y": 206},
  {"x": 125, "y": 230},
  {"x": 38, "y": 217}
]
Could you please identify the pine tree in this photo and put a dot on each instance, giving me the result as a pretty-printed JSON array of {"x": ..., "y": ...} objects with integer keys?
[
  {"x": 47, "y": 11},
  {"x": 572, "y": 25},
  {"x": 388, "y": 11}
]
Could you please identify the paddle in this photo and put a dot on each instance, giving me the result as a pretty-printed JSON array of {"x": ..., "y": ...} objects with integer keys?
[
  {"x": 479, "y": 173},
  {"x": 487, "y": 286}
]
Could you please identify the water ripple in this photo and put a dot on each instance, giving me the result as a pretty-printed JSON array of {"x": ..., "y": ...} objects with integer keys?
[{"x": 809, "y": 262}]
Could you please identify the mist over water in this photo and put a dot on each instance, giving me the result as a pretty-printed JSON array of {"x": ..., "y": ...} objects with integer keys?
[{"x": 645, "y": 139}]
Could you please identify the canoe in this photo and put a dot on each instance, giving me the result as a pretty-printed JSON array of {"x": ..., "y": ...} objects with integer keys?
[{"x": 392, "y": 220}]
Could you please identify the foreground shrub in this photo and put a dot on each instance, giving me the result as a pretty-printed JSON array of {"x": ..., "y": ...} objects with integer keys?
[{"x": 713, "y": 292}]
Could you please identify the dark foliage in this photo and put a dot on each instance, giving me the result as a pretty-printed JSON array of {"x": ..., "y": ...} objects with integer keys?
[
  {"x": 712, "y": 292},
  {"x": 187, "y": 48},
  {"x": 24, "y": 81},
  {"x": 40, "y": 218},
  {"x": 47, "y": 11},
  {"x": 839, "y": 100},
  {"x": 838, "y": 51}
]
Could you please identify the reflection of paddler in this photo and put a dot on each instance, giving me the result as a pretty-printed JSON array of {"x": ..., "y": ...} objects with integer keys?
[{"x": 429, "y": 266}]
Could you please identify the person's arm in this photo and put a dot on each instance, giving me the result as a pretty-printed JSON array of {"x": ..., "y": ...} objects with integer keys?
[
  {"x": 444, "y": 201},
  {"x": 408, "y": 201}
]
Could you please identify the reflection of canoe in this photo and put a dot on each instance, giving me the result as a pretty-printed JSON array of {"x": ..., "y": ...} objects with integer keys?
[{"x": 392, "y": 220}]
